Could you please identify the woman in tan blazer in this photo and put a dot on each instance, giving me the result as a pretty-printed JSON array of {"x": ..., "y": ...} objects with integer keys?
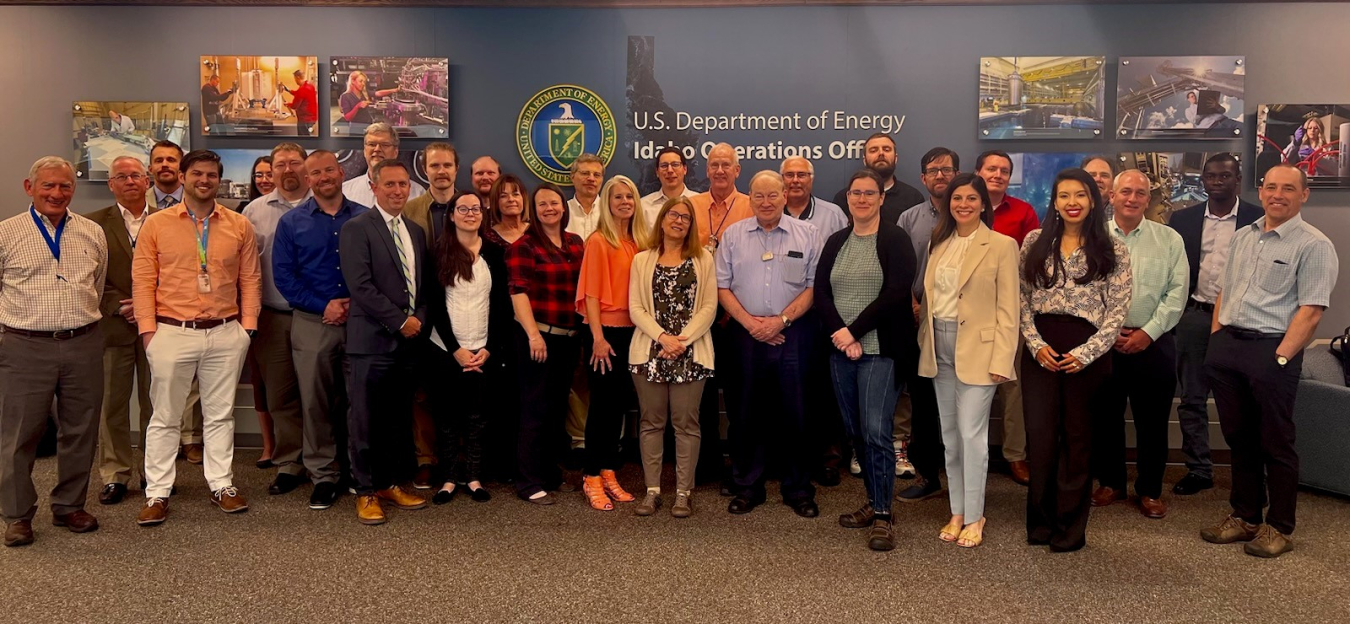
[{"x": 967, "y": 341}]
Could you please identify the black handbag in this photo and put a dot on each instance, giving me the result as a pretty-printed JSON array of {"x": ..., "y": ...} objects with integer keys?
[{"x": 1340, "y": 347}]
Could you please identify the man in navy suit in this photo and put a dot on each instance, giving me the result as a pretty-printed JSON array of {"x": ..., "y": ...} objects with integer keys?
[
  {"x": 384, "y": 257},
  {"x": 1207, "y": 229}
]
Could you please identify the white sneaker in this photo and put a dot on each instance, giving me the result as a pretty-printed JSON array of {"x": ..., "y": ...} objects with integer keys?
[
  {"x": 854, "y": 468},
  {"x": 903, "y": 469}
]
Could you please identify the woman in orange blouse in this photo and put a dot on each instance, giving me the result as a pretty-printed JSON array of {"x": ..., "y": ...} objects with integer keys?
[{"x": 602, "y": 300}]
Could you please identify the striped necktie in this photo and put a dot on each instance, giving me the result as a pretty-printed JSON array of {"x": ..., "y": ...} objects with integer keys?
[{"x": 403, "y": 262}]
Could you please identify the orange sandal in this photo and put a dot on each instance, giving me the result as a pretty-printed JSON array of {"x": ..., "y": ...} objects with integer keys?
[
  {"x": 613, "y": 489},
  {"x": 594, "y": 490}
]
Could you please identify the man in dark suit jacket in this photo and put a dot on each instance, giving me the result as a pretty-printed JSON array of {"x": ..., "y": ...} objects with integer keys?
[
  {"x": 384, "y": 259},
  {"x": 1206, "y": 228}
]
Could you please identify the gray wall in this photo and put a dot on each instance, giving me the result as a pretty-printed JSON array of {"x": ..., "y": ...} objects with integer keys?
[{"x": 917, "y": 61}]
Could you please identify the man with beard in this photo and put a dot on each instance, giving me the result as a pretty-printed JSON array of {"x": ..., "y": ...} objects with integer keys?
[
  {"x": 381, "y": 143},
  {"x": 671, "y": 167},
  {"x": 307, "y": 271},
  {"x": 197, "y": 290},
  {"x": 588, "y": 174},
  {"x": 879, "y": 156},
  {"x": 272, "y": 351},
  {"x": 484, "y": 173},
  {"x": 1206, "y": 228}
]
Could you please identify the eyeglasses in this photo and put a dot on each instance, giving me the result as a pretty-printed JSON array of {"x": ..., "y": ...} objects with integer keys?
[
  {"x": 859, "y": 194},
  {"x": 719, "y": 166},
  {"x": 939, "y": 170},
  {"x": 680, "y": 216},
  {"x": 381, "y": 145},
  {"x": 759, "y": 197},
  {"x": 260, "y": 175},
  {"x": 666, "y": 166},
  {"x": 797, "y": 175},
  {"x": 129, "y": 177},
  {"x": 468, "y": 210}
]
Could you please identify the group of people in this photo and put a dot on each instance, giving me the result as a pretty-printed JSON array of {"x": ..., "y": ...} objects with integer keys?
[{"x": 411, "y": 338}]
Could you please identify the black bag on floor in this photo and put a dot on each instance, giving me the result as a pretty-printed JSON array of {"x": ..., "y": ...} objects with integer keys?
[{"x": 1340, "y": 347}]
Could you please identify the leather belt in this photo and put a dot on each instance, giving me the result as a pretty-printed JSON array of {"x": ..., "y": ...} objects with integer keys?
[
  {"x": 1200, "y": 305},
  {"x": 545, "y": 328},
  {"x": 64, "y": 334},
  {"x": 200, "y": 324},
  {"x": 1251, "y": 334}
]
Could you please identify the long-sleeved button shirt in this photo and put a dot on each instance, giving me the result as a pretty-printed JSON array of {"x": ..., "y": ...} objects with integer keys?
[
  {"x": 1103, "y": 302},
  {"x": 165, "y": 268},
  {"x": 306, "y": 266},
  {"x": 919, "y": 222},
  {"x": 358, "y": 190},
  {"x": 1216, "y": 235},
  {"x": 1271, "y": 274},
  {"x": 264, "y": 213},
  {"x": 1016, "y": 218},
  {"x": 767, "y": 269},
  {"x": 579, "y": 221},
  {"x": 38, "y": 293},
  {"x": 1161, "y": 276},
  {"x": 715, "y": 217},
  {"x": 652, "y": 204},
  {"x": 549, "y": 277}
]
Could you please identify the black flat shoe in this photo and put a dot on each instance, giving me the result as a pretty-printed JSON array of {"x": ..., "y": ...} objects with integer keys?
[
  {"x": 741, "y": 505},
  {"x": 442, "y": 497},
  {"x": 480, "y": 495},
  {"x": 284, "y": 484},
  {"x": 1192, "y": 484},
  {"x": 112, "y": 493},
  {"x": 805, "y": 508},
  {"x": 264, "y": 464}
]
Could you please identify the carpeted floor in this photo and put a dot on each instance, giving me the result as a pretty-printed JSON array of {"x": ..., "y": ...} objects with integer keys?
[{"x": 508, "y": 561}]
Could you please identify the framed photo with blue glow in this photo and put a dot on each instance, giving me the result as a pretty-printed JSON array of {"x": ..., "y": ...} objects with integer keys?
[
  {"x": 1041, "y": 97},
  {"x": 105, "y": 131},
  {"x": 1313, "y": 137},
  {"x": 1174, "y": 177},
  {"x": 412, "y": 94},
  {"x": 1181, "y": 97}
]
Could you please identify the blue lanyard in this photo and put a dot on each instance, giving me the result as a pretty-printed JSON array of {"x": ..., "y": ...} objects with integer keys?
[
  {"x": 202, "y": 236},
  {"x": 53, "y": 244}
]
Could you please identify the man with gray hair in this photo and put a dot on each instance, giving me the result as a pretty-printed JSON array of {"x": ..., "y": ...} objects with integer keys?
[
  {"x": 381, "y": 143},
  {"x": 766, "y": 268},
  {"x": 588, "y": 175},
  {"x": 52, "y": 267}
]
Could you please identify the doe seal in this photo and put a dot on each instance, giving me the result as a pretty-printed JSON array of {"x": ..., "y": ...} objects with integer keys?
[{"x": 559, "y": 124}]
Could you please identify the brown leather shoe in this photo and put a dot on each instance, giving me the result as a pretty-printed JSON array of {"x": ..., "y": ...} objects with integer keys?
[
  {"x": 423, "y": 479},
  {"x": 368, "y": 510},
  {"x": 192, "y": 453},
  {"x": 1152, "y": 508},
  {"x": 1104, "y": 496},
  {"x": 229, "y": 500},
  {"x": 155, "y": 511},
  {"x": 881, "y": 537},
  {"x": 1229, "y": 531},
  {"x": 401, "y": 498},
  {"x": 79, "y": 521},
  {"x": 1020, "y": 473},
  {"x": 19, "y": 533},
  {"x": 1269, "y": 543},
  {"x": 860, "y": 519}
]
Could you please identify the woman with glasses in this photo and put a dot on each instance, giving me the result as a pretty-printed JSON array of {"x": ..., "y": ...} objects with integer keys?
[
  {"x": 862, "y": 293},
  {"x": 262, "y": 178},
  {"x": 602, "y": 301},
  {"x": 471, "y": 327},
  {"x": 545, "y": 265},
  {"x": 508, "y": 211},
  {"x": 968, "y": 341},
  {"x": 1076, "y": 288}
]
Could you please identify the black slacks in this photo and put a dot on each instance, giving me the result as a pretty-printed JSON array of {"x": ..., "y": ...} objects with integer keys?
[
  {"x": 926, "y": 450},
  {"x": 542, "y": 440},
  {"x": 1057, "y": 407},
  {"x": 612, "y": 397},
  {"x": 711, "y": 466},
  {"x": 1147, "y": 381},
  {"x": 459, "y": 402},
  {"x": 379, "y": 424},
  {"x": 768, "y": 413},
  {"x": 1255, "y": 398}
]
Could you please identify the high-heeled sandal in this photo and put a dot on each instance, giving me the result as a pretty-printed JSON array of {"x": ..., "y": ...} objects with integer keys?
[
  {"x": 613, "y": 489},
  {"x": 594, "y": 489},
  {"x": 972, "y": 535},
  {"x": 950, "y": 533}
]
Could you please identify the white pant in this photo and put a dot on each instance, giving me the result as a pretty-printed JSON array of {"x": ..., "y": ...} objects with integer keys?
[{"x": 176, "y": 354}]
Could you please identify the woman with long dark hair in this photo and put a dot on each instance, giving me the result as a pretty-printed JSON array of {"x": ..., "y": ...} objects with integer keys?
[
  {"x": 545, "y": 264},
  {"x": 509, "y": 211},
  {"x": 471, "y": 327},
  {"x": 261, "y": 182},
  {"x": 1076, "y": 287},
  {"x": 968, "y": 341}
]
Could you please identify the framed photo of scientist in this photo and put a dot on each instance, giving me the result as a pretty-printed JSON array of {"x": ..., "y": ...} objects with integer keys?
[
  {"x": 105, "y": 131},
  {"x": 412, "y": 94},
  {"x": 1041, "y": 97},
  {"x": 1181, "y": 97},
  {"x": 1174, "y": 177},
  {"x": 1313, "y": 137},
  {"x": 273, "y": 96}
]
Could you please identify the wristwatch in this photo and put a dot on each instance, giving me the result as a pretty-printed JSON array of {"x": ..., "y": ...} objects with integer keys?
[
  {"x": 1281, "y": 360},
  {"x": 787, "y": 322}
]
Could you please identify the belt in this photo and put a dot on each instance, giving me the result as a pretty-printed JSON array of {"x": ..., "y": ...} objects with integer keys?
[
  {"x": 64, "y": 334},
  {"x": 1251, "y": 334},
  {"x": 1200, "y": 305},
  {"x": 545, "y": 328},
  {"x": 202, "y": 324}
]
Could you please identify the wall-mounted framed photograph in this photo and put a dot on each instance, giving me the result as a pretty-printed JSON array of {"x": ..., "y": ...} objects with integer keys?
[
  {"x": 412, "y": 94},
  {"x": 1181, "y": 97},
  {"x": 1041, "y": 97},
  {"x": 104, "y": 131},
  {"x": 259, "y": 95},
  {"x": 1175, "y": 178},
  {"x": 1313, "y": 137}
]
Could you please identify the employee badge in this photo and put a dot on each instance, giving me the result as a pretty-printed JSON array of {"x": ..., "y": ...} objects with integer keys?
[{"x": 203, "y": 283}]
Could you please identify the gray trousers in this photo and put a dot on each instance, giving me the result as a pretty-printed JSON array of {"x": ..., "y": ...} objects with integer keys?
[
  {"x": 322, "y": 368},
  {"x": 32, "y": 372},
  {"x": 272, "y": 351},
  {"x": 1193, "y": 412},
  {"x": 681, "y": 403},
  {"x": 964, "y": 410}
]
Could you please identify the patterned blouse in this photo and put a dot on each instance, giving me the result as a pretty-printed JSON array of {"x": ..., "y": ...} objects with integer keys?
[
  {"x": 673, "y": 290},
  {"x": 856, "y": 280},
  {"x": 1102, "y": 303}
]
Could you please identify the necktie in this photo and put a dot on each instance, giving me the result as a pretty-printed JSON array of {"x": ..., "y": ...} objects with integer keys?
[{"x": 403, "y": 261}]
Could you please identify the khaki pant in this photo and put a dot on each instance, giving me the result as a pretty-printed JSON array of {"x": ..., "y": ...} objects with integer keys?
[
  {"x": 125, "y": 367},
  {"x": 681, "y": 403}
]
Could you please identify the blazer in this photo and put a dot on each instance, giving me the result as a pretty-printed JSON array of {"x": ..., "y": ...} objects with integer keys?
[
  {"x": 890, "y": 314},
  {"x": 117, "y": 331},
  {"x": 501, "y": 316},
  {"x": 418, "y": 210},
  {"x": 987, "y": 308},
  {"x": 1189, "y": 222},
  {"x": 642, "y": 309},
  {"x": 380, "y": 302}
]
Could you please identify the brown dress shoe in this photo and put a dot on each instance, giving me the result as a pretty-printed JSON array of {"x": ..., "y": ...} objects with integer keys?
[
  {"x": 229, "y": 500},
  {"x": 1021, "y": 474},
  {"x": 1269, "y": 543},
  {"x": 1104, "y": 496},
  {"x": 192, "y": 453},
  {"x": 154, "y": 512},
  {"x": 368, "y": 510},
  {"x": 19, "y": 533},
  {"x": 401, "y": 498},
  {"x": 1229, "y": 531},
  {"x": 423, "y": 479},
  {"x": 77, "y": 521},
  {"x": 860, "y": 519},
  {"x": 1152, "y": 508}
]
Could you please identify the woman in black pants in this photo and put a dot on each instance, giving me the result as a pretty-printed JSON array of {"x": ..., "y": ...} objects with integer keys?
[
  {"x": 1076, "y": 286},
  {"x": 470, "y": 323}
]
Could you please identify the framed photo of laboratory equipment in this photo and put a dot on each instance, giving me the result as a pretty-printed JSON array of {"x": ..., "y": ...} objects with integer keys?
[
  {"x": 1174, "y": 179},
  {"x": 1313, "y": 137},
  {"x": 1181, "y": 97},
  {"x": 1041, "y": 97},
  {"x": 259, "y": 95},
  {"x": 105, "y": 131},
  {"x": 412, "y": 94}
]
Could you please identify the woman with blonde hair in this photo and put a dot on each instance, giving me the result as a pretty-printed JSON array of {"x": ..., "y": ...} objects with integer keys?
[{"x": 354, "y": 102}]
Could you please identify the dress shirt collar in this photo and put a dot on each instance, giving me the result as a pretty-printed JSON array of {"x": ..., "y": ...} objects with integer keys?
[
  {"x": 1232, "y": 214},
  {"x": 1120, "y": 232},
  {"x": 177, "y": 195},
  {"x": 275, "y": 199},
  {"x": 126, "y": 214},
  {"x": 1284, "y": 229},
  {"x": 181, "y": 210},
  {"x": 312, "y": 205},
  {"x": 388, "y": 218}
]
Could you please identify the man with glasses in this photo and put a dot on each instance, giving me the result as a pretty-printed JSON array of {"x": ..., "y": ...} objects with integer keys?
[
  {"x": 381, "y": 143},
  {"x": 671, "y": 168},
  {"x": 588, "y": 174},
  {"x": 879, "y": 156}
]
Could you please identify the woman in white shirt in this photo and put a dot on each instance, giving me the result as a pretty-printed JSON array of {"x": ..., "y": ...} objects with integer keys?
[{"x": 470, "y": 327}]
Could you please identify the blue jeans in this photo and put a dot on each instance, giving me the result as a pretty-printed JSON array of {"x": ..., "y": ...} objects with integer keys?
[{"x": 867, "y": 391}]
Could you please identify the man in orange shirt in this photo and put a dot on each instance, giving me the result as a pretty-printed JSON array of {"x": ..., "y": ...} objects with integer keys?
[
  {"x": 722, "y": 205},
  {"x": 197, "y": 291}
]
